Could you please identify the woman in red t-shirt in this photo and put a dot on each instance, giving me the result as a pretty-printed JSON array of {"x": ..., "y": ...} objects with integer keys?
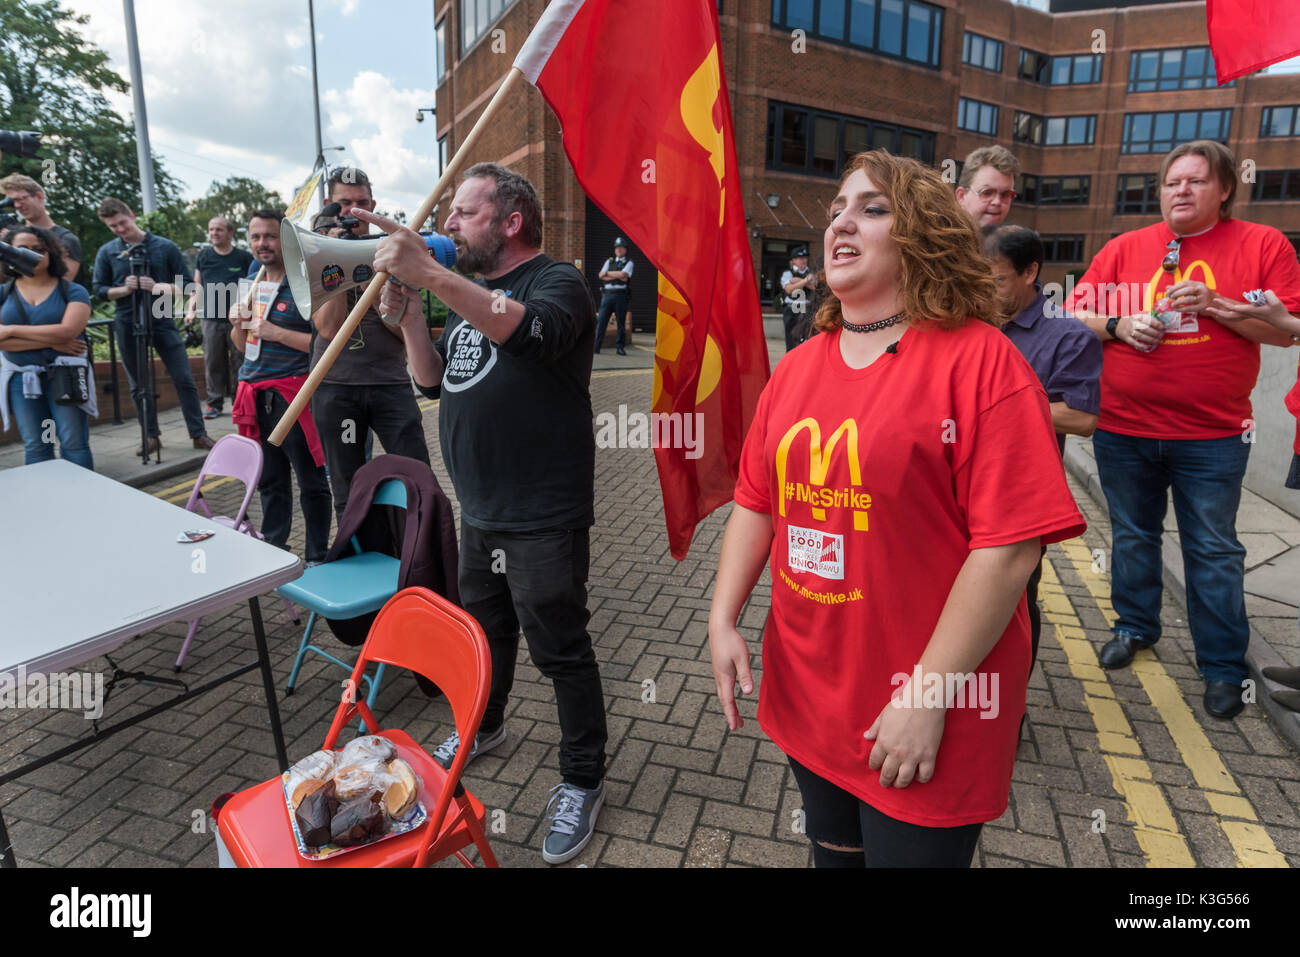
[{"x": 900, "y": 474}]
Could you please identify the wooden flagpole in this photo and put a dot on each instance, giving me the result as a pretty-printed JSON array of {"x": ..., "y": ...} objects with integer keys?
[{"x": 376, "y": 286}]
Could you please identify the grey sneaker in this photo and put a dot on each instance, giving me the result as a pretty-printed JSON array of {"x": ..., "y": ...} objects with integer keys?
[
  {"x": 446, "y": 752},
  {"x": 572, "y": 812}
]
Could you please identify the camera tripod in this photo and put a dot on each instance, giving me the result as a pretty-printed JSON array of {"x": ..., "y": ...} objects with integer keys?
[{"x": 146, "y": 379}]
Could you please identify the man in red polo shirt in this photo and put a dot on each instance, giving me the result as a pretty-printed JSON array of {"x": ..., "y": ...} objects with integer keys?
[{"x": 1175, "y": 405}]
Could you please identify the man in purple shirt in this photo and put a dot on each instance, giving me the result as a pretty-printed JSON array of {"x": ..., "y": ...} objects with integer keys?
[{"x": 1062, "y": 351}]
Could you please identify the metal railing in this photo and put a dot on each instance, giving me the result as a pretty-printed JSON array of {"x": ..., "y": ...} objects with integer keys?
[{"x": 93, "y": 335}]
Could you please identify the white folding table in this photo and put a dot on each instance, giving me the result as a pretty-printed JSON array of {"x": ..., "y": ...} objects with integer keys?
[{"x": 61, "y": 522}]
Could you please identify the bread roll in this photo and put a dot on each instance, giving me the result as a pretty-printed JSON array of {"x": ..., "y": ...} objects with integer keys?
[
  {"x": 369, "y": 747},
  {"x": 305, "y": 788},
  {"x": 315, "y": 767},
  {"x": 401, "y": 795},
  {"x": 353, "y": 780}
]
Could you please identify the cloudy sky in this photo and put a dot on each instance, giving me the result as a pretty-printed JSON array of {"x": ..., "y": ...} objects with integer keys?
[{"x": 228, "y": 88}]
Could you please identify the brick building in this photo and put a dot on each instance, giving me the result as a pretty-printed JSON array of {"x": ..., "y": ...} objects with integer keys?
[{"x": 1089, "y": 97}]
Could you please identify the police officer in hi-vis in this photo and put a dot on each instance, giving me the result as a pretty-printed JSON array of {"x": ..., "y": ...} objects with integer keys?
[{"x": 615, "y": 274}]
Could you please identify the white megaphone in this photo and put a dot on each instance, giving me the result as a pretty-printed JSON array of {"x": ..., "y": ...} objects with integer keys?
[{"x": 319, "y": 268}]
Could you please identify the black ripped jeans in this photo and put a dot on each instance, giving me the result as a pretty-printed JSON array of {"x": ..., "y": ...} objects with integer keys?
[{"x": 835, "y": 816}]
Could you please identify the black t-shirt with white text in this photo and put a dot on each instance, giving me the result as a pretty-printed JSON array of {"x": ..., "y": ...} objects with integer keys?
[{"x": 515, "y": 419}]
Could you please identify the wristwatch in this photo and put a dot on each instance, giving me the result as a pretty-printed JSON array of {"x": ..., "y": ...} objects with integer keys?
[{"x": 1112, "y": 324}]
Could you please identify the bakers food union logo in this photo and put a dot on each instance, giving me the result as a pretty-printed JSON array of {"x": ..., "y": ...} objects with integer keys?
[
  {"x": 815, "y": 492},
  {"x": 1180, "y": 275}
]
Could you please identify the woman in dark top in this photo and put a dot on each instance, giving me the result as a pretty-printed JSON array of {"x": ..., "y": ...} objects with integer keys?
[{"x": 42, "y": 321}]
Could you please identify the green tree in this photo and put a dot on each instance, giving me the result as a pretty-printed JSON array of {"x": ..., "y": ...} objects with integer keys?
[
  {"x": 236, "y": 199},
  {"x": 53, "y": 80}
]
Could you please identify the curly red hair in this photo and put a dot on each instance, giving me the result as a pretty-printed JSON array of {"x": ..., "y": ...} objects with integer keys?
[{"x": 946, "y": 277}]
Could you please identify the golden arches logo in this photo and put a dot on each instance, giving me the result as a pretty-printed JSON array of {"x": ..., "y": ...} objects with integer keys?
[
  {"x": 1180, "y": 275},
  {"x": 698, "y": 97},
  {"x": 670, "y": 338},
  {"x": 819, "y": 461}
]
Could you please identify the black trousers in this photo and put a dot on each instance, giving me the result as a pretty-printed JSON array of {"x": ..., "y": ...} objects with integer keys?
[
  {"x": 837, "y": 817},
  {"x": 344, "y": 414},
  {"x": 221, "y": 361},
  {"x": 168, "y": 346},
  {"x": 279, "y": 465},
  {"x": 538, "y": 580},
  {"x": 616, "y": 303},
  {"x": 1035, "y": 616},
  {"x": 790, "y": 320}
]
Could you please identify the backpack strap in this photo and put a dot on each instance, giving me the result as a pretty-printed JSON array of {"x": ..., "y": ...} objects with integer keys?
[{"x": 18, "y": 304}]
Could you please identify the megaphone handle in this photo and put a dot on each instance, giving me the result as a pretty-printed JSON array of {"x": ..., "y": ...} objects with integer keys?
[{"x": 331, "y": 354}]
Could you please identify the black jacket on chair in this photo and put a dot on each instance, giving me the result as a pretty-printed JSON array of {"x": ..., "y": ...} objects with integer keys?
[{"x": 423, "y": 537}]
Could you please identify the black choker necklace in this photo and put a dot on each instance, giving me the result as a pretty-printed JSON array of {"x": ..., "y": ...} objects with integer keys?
[{"x": 871, "y": 326}]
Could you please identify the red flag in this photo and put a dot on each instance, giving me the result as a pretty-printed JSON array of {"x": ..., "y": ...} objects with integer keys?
[
  {"x": 1248, "y": 35},
  {"x": 647, "y": 126}
]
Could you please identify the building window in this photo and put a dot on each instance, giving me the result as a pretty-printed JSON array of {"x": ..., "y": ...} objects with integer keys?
[
  {"x": 442, "y": 154},
  {"x": 1191, "y": 68},
  {"x": 1054, "y": 190},
  {"x": 981, "y": 51},
  {"x": 1279, "y": 121},
  {"x": 477, "y": 17},
  {"x": 1276, "y": 185},
  {"x": 440, "y": 52},
  {"x": 1033, "y": 66},
  {"x": 1137, "y": 193},
  {"x": 1063, "y": 249},
  {"x": 977, "y": 117},
  {"x": 1067, "y": 70},
  {"x": 819, "y": 143},
  {"x": 1161, "y": 132},
  {"x": 907, "y": 29},
  {"x": 1055, "y": 130}
]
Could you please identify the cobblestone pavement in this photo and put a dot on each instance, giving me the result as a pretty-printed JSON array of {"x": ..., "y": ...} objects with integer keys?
[{"x": 1115, "y": 768}]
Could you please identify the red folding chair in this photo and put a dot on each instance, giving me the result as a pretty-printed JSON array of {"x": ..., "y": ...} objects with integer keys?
[{"x": 423, "y": 632}]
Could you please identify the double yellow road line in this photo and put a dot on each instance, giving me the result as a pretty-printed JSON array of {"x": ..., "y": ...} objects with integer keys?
[{"x": 1155, "y": 826}]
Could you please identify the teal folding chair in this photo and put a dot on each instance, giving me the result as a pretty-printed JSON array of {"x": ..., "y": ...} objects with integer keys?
[{"x": 353, "y": 586}]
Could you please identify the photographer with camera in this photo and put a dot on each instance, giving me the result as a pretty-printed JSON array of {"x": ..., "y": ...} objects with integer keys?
[
  {"x": 159, "y": 271},
  {"x": 28, "y": 200},
  {"x": 44, "y": 368},
  {"x": 368, "y": 386}
]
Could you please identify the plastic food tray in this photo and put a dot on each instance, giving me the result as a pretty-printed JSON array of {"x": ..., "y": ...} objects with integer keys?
[{"x": 409, "y": 823}]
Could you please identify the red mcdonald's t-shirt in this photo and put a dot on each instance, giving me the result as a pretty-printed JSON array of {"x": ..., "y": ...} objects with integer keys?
[
  {"x": 1196, "y": 384},
  {"x": 879, "y": 482}
]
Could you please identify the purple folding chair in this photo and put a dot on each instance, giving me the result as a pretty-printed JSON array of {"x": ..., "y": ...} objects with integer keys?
[{"x": 240, "y": 458}]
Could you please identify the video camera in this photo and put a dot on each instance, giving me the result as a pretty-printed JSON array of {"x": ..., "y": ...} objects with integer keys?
[
  {"x": 7, "y": 218},
  {"x": 17, "y": 262},
  {"x": 331, "y": 217},
  {"x": 22, "y": 144}
]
